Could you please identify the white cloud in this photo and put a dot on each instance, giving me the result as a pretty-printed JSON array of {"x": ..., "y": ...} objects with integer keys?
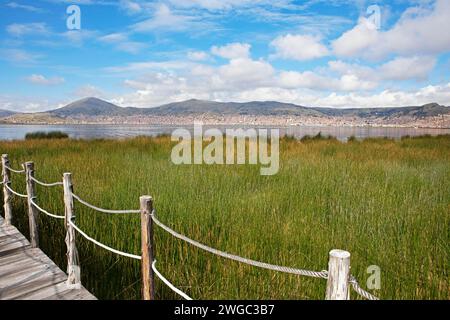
[
  {"x": 164, "y": 19},
  {"x": 298, "y": 47},
  {"x": 244, "y": 72},
  {"x": 114, "y": 37},
  {"x": 21, "y": 29},
  {"x": 197, "y": 55},
  {"x": 210, "y": 4},
  {"x": 232, "y": 50},
  {"x": 398, "y": 69},
  {"x": 19, "y": 56},
  {"x": 420, "y": 31},
  {"x": 42, "y": 80},
  {"x": 122, "y": 43},
  {"x": 131, "y": 7},
  {"x": 88, "y": 91},
  {"x": 16, "y": 5},
  {"x": 401, "y": 68}
]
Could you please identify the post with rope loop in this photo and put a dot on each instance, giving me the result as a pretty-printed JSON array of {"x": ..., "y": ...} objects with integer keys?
[
  {"x": 148, "y": 277},
  {"x": 73, "y": 264},
  {"x": 7, "y": 195},
  {"x": 338, "y": 275},
  {"x": 32, "y": 210}
]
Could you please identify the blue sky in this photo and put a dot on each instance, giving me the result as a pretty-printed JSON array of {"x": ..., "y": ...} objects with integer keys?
[{"x": 347, "y": 53}]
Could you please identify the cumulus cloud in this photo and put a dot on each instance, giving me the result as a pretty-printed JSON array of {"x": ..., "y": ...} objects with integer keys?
[
  {"x": 197, "y": 55},
  {"x": 298, "y": 47},
  {"x": 397, "y": 69},
  {"x": 419, "y": 31},
  {"x": 232, "y": 51},
  {"x": 42, "y": 80}
]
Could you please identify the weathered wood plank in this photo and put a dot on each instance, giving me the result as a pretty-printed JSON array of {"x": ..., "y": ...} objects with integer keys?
[{"x": 27, "y": 273}]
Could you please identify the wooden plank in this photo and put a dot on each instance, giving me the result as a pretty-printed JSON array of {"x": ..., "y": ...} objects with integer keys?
[{"x": 27, "y": 273}]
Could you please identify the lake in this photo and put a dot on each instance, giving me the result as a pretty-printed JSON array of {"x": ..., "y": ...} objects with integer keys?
[{"x": 17, "y": 132}]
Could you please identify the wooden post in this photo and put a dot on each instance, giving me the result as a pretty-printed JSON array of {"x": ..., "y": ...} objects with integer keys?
[
  {"x": 7, "y": 196},
  {"x": 73, "y": 264},
  {"x": 32, "y": 211},
  {"x": 148, "y": 278},
  {"x": 338, "y": 275}
]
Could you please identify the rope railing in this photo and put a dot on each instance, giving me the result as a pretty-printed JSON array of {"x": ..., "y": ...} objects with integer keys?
[
  {"x": 44, "y": 184},
  {"x": 147, "y": 210},
  {"x": 167, "y": 283},
  {"x": 87, "y": 204},
  {"x": 363, "y": 293},
  {"x": 14, "y": 170},
  {"x": 15, "y": 192},
  {"x": 104, "y": 246},
  {"x": 45, "y": 211},
  {"x": 316, "y": 274}
]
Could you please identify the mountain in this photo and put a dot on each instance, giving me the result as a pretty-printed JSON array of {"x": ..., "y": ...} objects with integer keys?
[
  {"x": 6, "y": 113},
  {"x": 261, "y": 108},
  {"x": 91, "y": 107},
  {"x": 94, "y": 110}
]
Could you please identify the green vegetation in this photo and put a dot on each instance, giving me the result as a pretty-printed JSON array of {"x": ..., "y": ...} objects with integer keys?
[
  {"x": 46, "y": 135},
  {"x": 385, "y": 201}
]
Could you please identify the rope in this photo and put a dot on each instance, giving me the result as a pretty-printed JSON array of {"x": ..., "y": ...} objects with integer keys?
[
  {"x": 16, "y": 193},
  {"x": 129, "y": 255},
  {"x": 103, "y": 210},
  {"x": 171, "y": 286},
  {"x": 44, "y": 211},
  {"x": 360, "y": 290},
  {"x": 308, "y": 273},
  {"x": 46, "y": 184},
  {"x": 13, "y": 170}
]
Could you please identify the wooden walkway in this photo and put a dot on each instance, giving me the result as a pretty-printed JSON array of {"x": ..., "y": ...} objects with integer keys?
[{"x": 28, "y": 274}]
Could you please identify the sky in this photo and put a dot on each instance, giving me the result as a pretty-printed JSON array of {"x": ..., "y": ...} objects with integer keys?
[{"x": 318, "y": 53}]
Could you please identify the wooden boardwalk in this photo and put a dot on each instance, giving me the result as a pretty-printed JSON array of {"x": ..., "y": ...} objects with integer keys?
[{"x": 28, "y": 274}]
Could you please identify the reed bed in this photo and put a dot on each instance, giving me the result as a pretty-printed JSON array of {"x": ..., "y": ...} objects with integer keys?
[{"x": 385, "y": 201}]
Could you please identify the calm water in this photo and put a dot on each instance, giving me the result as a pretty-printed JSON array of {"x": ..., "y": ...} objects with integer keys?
[{"x": 17, "y": 132}]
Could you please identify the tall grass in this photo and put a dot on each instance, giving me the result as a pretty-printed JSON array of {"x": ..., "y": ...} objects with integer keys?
[{"x": 385, "y": 201}]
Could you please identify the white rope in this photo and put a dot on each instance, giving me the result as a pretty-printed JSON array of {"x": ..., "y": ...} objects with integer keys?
[
  {"x": 171, "y": 286},
  {"x": 360, "y": 290},
  {"x": 44, "y": 211},
  {"x": 308, "y": 273},
  {"x": 13, "y": 170},
  {"x": 16, "y": 193},
  {"x": 44, "y": 184},
  {"x": 103, "y": 210},
  {"x": 129, "y": 255}
]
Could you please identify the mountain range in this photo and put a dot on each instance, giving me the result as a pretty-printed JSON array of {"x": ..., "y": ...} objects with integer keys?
[{"x": 94, "y": 109}]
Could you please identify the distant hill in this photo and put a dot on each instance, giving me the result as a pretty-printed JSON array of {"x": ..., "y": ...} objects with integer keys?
[
  {"x": 91, "y": 107},
  {"x": 96, "y": 110},
  {"x": 6, "y": 113},
  {"x": 265, "y": 108}
]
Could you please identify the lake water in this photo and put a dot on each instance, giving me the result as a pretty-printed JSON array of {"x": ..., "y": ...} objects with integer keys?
[{"x": 17, "y": 132}]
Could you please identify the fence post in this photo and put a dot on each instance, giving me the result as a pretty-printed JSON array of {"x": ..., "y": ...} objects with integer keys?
[
  {"x": 148, "y": 278},
  {"x": 73, "y": 264},
  {"x": 7, "y": 196},
  {"x": 338, "y": 275},
  {"x": 32, "y": 211}
]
